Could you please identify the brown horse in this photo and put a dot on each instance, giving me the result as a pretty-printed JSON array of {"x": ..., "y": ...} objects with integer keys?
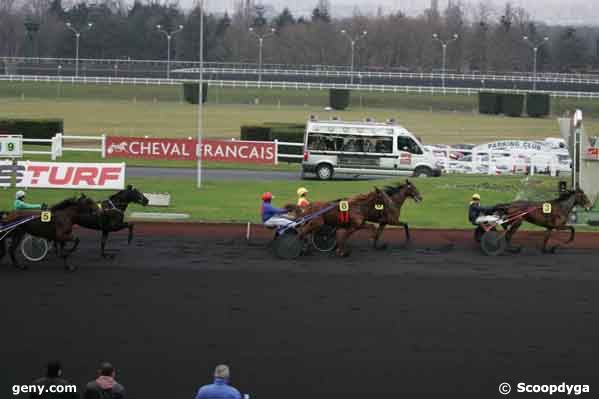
[
  {"x": 552, "y": 215},
  {"x": 351, "y": 215},
  {"x": 58, "y": 229},
  {"x": 398, "y": 194}
]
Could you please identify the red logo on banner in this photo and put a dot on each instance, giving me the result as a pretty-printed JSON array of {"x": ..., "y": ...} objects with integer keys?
[
  {"x": 593, "y": 153},
  {"x": 71, "y": 175},
  {"x": 182, "y": 149}
]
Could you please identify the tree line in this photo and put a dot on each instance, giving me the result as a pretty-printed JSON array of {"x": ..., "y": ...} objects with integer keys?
[{"x": 488, "y": 39}]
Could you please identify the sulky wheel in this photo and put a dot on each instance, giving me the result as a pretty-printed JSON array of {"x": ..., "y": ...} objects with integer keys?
[
  {"x": 493, "y": 243},
  {"x": 325, "y": 239},
  {"x": 288, "y": 245},
  {"x": 34, "y": 249}
]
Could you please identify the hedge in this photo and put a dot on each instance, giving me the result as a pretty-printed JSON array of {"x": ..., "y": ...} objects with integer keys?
[
  {"x": 191, "y": 92},
  {"x": 339, "y": 99},
  {"x": 255, "y": 133},
  {"x": 489, "y": 103},
  {"x": 538, "y": 105},
  {"x": 293, "y": 133},
  {"x": 32, "y": 128},
  {"x": 512, "y": 104}
]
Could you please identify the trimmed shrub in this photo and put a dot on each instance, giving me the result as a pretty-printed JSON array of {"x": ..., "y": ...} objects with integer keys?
[
  {"x": 489, "y": 103},
  {"x": 255, "y": 133},
  {"x": 339, "y": 99},
  {"x": 191, "y": 92},
  {"x": 512, "y": 104},
  {"x": 538, "y": 105},
  {"x": 32, "y": 128},
  {"x": 291, "y": 135}
]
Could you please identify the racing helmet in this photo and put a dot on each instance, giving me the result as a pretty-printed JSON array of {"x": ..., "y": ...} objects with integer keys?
[
  {"x": 302, "y": 191},
  {"x": 267, "y": 196},
  {"x": 19, "y": 194},
  {"x": 476, "y": 197}
]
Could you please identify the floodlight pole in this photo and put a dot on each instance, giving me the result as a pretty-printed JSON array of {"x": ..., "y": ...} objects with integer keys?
[
  {"x": 535, "y": 50},
  {"x": 169, "y": 36},
  {"x": 260, "y": 46},
  {"x": 200, "y": 96},
  {"x": 444, "y": 44},
  {"x": 353, "y": 41},
  {"x": 77, "y": 36}
]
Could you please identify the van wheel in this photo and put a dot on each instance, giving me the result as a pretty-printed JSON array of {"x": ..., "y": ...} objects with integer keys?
[
  {"x": 423, "y": 171},
  {"x": 324, "y": 172}
]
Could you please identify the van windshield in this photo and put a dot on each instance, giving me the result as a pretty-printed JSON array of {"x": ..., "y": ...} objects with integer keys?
[{"x": 407, "y": 144}]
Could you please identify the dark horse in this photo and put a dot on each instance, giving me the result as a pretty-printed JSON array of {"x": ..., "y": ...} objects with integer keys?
[
  {"x": 375, "y": 207},
  {"x": 398, "y": 194},
  {"x": 112, "y": 217},
  {"x": 59, "y": 229},
  {"x": 553, "y": 217}
]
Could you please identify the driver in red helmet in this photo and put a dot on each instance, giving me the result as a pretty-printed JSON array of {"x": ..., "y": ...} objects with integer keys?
[{"x": 271, "y": 216}]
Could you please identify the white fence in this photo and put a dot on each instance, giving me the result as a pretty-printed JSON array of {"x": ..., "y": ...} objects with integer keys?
[
  {"x": 286, "y": 85},
  {"x": 59, "y": 144}
]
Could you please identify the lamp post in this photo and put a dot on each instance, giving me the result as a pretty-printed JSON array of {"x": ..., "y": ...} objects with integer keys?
[
  {"x": 77, "y": 36},
  {"x": 535, "y": 49},
  {"x": 200, "y": 96},
  {"x": 353, "y": 41},
  {"x": 169, "y": 35},
  {"x": 444, "y": 44},
  {"x": 260, "y": 46}
]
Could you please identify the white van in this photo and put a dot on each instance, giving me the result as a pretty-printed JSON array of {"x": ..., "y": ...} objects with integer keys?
[{"x": 364, "y": 148}]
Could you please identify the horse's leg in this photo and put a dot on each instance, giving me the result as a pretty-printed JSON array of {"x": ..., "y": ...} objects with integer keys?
[
  {"x": 378, "y": 232},
  {"x": 103, "y": 245},
  {"x": 66, "y": 254},
  {"x": 341, "y": 251},
  {"x": 572, "y": 233},
  {"x": 130, "y": 237},
  {"x": 2, "y": 249},
  {"x": 546, "y": 240},
  {"x": 17, "y": 237},
  {"x": 511, "y": 229}
]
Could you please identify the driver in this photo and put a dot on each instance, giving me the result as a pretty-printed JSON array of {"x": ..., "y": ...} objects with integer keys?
[
  {"x": 20, "y": 204},
  {"x": 475, "y": 210},
  {"x": 271, "y": 216},
  {"x": 302, "y": 194}
]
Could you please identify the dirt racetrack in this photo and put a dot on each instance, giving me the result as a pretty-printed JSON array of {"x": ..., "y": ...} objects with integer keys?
[{"x": 434, "y": 319}]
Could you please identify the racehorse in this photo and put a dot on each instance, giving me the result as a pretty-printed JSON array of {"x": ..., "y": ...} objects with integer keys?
[
  {"x": 552, "y": 215},
  {"x": 59, "y": 227},
  {"x": 398, "y": 194},
  {"x": 351, "y": 215},
  {"x": 112, "y": 217}
]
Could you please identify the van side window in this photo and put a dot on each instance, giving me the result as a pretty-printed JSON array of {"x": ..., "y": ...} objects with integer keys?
[
  {"x": 408, "y": 144},
  {"x": 320, "y": 142}
]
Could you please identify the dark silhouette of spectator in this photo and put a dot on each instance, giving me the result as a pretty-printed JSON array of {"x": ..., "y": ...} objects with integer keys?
[
  {"x": 220, "y": 389},
  {"x": 105, "y": 386},
  {"x": 53, "y": 377}
]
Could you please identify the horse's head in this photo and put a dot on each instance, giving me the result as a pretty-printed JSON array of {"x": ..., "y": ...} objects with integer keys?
[
  {"x": 411, "y": 191},
  {"x": 400, "y": 192},
  {"x": 581, "y": 199},
  {"x": 132, "y": 195}
]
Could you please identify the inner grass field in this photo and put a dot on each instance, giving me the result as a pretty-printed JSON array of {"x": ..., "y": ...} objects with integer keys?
[
  {"x": 445, "y": 204},
  {"x": 160, "y": 112}
]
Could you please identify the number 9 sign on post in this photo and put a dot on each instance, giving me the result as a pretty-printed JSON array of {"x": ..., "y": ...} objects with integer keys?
[{"x": 11, "y": 146}]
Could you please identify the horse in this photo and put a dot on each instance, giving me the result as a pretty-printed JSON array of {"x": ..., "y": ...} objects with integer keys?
[
  {"x": 112, "y": 217},
  {"x": 59, "y": 227},
  {"x": 552, "y": 215},
  {"x": 351, "y": 215},
  {"x": 398, "y": 194}
]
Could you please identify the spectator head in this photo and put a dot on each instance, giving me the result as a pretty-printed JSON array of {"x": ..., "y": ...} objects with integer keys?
[
  {"x": 106, "y": 369},
  {"x": 222, "y": 371},
  {"x": 53, "y": 369}
]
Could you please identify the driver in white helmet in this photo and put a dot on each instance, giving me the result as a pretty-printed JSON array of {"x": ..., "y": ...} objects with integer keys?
[{"x": 21, "y": 205}]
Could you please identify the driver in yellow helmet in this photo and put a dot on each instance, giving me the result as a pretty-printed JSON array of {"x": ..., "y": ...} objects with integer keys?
[
  {"x": 302, "y": 201},
  {"x": 477, "y": 210}
]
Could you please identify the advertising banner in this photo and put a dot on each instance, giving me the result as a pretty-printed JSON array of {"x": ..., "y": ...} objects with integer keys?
[
  {"x": 6, "y": 172},
  {"x": 185, "y": 150},
  {"x": 97, "y": 176}
]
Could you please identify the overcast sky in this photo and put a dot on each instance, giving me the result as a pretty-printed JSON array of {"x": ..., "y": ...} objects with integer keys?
[{"x": 553, "y": 11}]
